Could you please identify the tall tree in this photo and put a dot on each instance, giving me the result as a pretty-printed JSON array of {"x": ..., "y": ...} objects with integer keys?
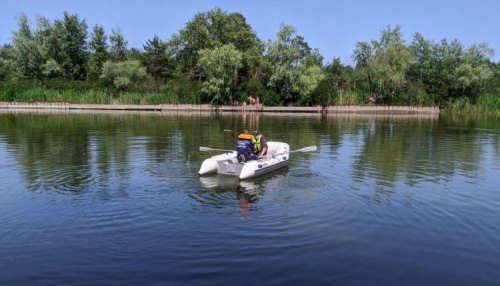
[
  {"x": 156, "y": 59},
  {"x": 386, "y": 62},
  {"x": 118, "y": 47},
  {"x": 50, "y": 41},
  {"x": 6, "y": 65},
  {"x": 363, "y": 56},
  {"x": 99, "y": 48},
  {"x": 422, "y": 52},
  {"x": 474, "y": 72},
  {"x": 72, "y": 39},
  {"x": 220, "y": 65},
  {"x": 209, "y": 30},
  {"x": 29, "y": 56},
  {"x": 295, "y": 69},
  {"x": 449, "y": 69}
]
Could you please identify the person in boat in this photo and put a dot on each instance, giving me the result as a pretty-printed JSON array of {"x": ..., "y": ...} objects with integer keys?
[
  {"x": 260, "y": 144},
  {"x": 245, "y": 149}
]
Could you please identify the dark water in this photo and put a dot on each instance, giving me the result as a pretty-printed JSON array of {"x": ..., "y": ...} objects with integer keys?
[{"x": 114, "y": 199}]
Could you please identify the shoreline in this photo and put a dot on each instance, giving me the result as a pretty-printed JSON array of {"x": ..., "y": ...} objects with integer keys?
[{"x": 362, "y": 109}]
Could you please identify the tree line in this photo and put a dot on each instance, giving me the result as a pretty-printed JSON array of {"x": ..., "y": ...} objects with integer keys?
[{"x": 217, "y": 58}]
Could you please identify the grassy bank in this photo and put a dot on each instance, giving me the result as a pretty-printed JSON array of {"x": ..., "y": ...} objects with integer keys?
[
  {"x": 483, "y": 104},
  {"x": 92, "y": 96}
]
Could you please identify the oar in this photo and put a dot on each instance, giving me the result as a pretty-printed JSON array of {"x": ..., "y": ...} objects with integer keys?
[
  {"x": 305, "y": 149},
  {"x": 211, "y": 149}
]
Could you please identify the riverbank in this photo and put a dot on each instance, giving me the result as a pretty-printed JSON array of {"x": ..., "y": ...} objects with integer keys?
[{"x": 378, "y": 109}]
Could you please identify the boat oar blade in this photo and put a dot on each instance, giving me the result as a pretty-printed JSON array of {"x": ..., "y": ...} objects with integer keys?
[
  {"x": 205, "y": 149},
  {"x": 211, "y": 149},
  {"x": 307, "y": 149}
]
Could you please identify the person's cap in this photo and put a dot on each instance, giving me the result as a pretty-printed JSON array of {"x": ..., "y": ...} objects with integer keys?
[{"x": 255, "y": 133}]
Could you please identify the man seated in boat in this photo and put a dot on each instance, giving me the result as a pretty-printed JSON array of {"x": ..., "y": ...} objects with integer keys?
[
  {"x": 245, "y": 149},
  {"x": 260, "y": 144}
]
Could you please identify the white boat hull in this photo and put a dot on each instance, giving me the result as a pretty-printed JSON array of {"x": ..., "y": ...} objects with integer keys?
[
  {"x": 210, "y": 166},
  {"x": 226, "y": 164}
]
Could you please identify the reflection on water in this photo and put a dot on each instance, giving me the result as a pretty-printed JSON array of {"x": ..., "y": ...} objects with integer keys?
[
  {"x": 114, "y": 198},
  {"x": 247, "y": 192}
]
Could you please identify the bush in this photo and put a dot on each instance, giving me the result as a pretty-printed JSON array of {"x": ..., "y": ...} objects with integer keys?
[
  {"x": 488, "y": 103},
  {"x": 8, "y": 92}
]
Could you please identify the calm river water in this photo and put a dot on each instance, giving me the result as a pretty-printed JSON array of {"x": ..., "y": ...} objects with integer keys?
[{"x": 115, "y": 199}]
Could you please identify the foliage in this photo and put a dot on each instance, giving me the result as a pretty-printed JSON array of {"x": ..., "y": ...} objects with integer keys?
[
  {"x": 324, "y": 94},
  {"x": 71, "y": 37},
  {"x": 220, "y": 66},
  {"x": 118, "y": 45},
  {"x": 489, "y": 103},
  {"x": 474, "y": 71},
  {"x": 99, "y": 48},
  {"x": 217, "y": 58},
  {"x": 29, "y": 54},
  {"x": 156, "y": 59},
  {"x": 52, "y": 49},
  {"x": 122, "y": 74},
  {"x": 295, "y": 69},
  {"x": 385, "y": 63},
  {"x": 449, "y": 69},
  {"x": 6, "y": 62},
  {"x": 209, "y": 30}
]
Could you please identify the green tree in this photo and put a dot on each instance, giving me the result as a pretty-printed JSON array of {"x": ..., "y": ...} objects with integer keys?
[
  {"x": 391, "y": 62},
  {"x": 220, "y": 65},
  {"x": 6, "y": 64},
  {"x": 385, "y": 63},
  {"x": 118, "y": 45},
  {"x": 209, "y": 30},
  {"x": 72, "y": 46},
  {"x": 52, "y": 49},
  {"x": 294, "y": 68},
  {"x": 338, "y": 80},
  {"x": 30, "y": 55},
  {"x": 99, "y": 48},
  {"x": 494, "y": 84},
  {"x": 338, "y": 75},
  {"x": 123, "y": 74},
  {"x": 363, "y": 56},
  {"x": 48, "y": 36},
  {"x": 450, "y": 70},
  {"x": 156, "y": 59},
  {"x": 134, "y": 54},
  {"x": 447, "y": 58},
  {"x": 474, "y": 72}
]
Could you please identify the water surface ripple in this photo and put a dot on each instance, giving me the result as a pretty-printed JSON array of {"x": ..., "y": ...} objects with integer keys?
[{"x": 104, "y": 199}]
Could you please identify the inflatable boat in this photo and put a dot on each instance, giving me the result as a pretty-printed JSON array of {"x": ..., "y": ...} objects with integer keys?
[{"x": 278, "y": 155}]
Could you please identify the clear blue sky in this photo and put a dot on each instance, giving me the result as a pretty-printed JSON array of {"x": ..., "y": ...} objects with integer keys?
[{"x": 334, "y": 27}]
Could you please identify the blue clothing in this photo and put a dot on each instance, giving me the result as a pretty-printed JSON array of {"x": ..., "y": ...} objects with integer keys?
[{"x": 246, "y": 148}]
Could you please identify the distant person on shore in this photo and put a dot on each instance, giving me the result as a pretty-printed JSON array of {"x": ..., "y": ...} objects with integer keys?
[{"x": 255, "y": 101}]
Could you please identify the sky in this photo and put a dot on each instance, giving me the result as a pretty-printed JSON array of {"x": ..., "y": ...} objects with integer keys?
[{"x": 333, "y": 27}]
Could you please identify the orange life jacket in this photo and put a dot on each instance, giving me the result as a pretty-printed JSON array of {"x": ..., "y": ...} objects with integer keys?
[{"x": 245, "y": 136}]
